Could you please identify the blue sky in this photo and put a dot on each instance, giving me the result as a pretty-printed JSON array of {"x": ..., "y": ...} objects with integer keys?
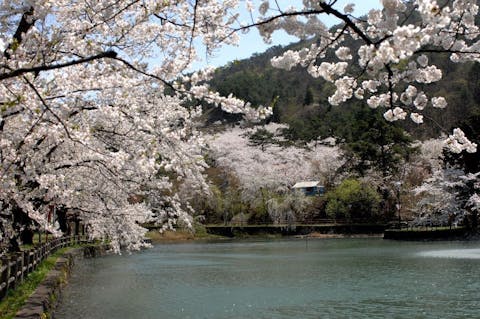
[{"x": 252, "y": 42}]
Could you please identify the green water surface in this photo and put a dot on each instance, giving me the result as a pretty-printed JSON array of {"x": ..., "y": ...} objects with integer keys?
[{"x": 323, "y": 278}]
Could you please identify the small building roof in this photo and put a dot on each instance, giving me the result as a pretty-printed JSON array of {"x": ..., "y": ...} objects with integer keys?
[{"x": 306, "y": 184}]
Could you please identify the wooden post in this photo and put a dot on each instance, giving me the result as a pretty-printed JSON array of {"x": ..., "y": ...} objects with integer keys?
[
  {"x": 13, "y": 274},
  {"x": 38, "y": 256},
  {"x": 20, "y": 263},
  {"x": 42, "y": 252},
  {"x": 48, "y": 248},
  {"x": 4, "y": 276},
  {"x": 31, "y": 257},
  {"x": 26, "y": 255}
]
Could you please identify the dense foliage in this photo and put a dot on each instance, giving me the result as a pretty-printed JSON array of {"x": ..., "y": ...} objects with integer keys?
[{"x": 353, "y": 200}]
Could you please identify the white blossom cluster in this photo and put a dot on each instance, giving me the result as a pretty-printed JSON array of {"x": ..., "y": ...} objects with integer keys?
[
  {"x": 276, "y": 168},
  {"x": 457, "y": 142},
  {"x": 391, "y": 59},
  {"x": 438, "y": 198},
  {"x": 449, "y": 195}
]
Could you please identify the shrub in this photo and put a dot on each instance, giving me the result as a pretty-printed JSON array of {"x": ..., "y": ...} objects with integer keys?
[{"x": 353, "y": 199}]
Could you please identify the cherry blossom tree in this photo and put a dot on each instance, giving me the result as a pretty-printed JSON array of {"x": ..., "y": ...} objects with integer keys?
[
  {"x": 288, "y": 209},
  {"x": 96, "y": 109},
  {"x": 449, "y": 196}
]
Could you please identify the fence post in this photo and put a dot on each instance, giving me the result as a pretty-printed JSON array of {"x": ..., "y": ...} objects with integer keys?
[
  {"x": 30, "y": 260},
  {"x": 20, "y": 263},
  {"x": 34, "y": 258},
  {"x": 4, "y": 276},
  {"x": 37, "y": 253},
  {"x": 25, "y": 271},
  {"x": 40, "y": 254},
  {"x": 13, "y": 273},
  {"x": 48, "y": 248},
  {"x": 43, "y": 251}
]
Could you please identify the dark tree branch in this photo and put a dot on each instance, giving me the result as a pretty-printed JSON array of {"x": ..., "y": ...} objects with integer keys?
[
  {"x": 47, "y": 107},
  {"x": 37, "y": 69},
  {"x": 26, "y": 22},
  {"x": 328, "y": 9},
  {"x": 193, "y": 28},
  {"x": 131, "y": 66},
  {"x": 271, "y": 19},
  {"x": 77, "y": 164}
]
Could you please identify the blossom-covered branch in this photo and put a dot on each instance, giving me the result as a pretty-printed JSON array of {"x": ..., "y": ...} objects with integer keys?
[{"x": 389, "y": 68}]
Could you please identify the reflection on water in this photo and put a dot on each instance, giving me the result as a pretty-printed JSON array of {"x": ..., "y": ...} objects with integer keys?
[
  {"x": 332, "y": 278},
  {"x": 453, "y": 253}
]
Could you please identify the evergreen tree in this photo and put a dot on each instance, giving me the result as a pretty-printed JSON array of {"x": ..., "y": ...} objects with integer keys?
[
  {"x": 261, "y": 137},
  {"x": 308, "y": 100},
  {"x": 372, "y": 143}
]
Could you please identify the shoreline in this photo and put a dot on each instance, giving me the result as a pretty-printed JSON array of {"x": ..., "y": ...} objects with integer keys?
[{"x": 184, "y": 236}]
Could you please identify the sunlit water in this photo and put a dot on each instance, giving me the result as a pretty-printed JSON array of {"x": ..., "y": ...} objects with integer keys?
[{"x": 325, "y": 278}]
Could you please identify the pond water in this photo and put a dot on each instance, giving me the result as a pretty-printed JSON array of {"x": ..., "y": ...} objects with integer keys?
[{"x": 324, "y": 278}]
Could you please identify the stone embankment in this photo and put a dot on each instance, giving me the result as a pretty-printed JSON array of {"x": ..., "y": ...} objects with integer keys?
[{"x": 42, "y": 302}]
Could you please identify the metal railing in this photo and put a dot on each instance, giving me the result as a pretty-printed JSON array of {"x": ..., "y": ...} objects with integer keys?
[{"x": 16, "y": 266}]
